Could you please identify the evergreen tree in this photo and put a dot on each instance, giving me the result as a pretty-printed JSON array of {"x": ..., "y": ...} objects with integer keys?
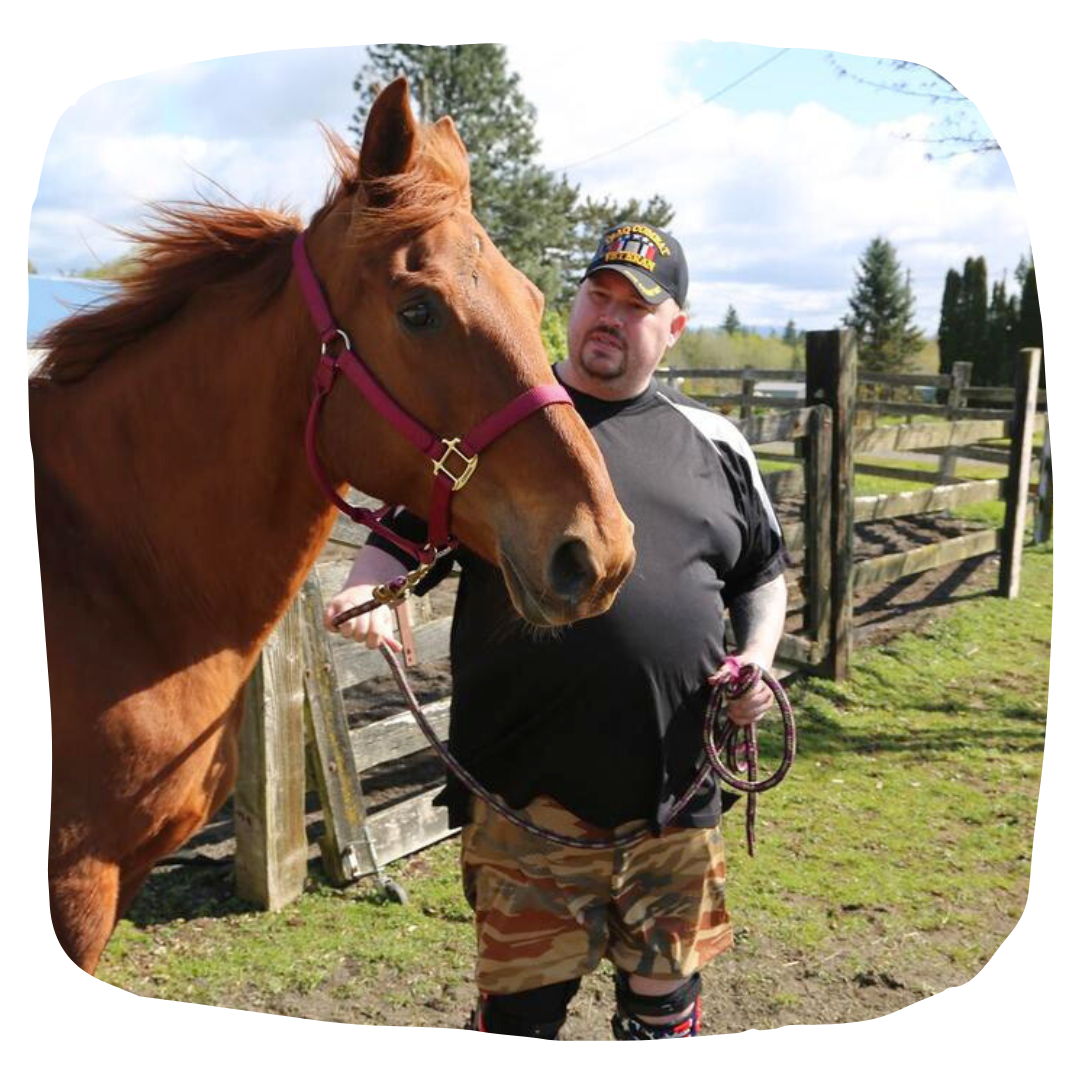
[
  {"x": 974, "y": 303},
  {"x": 731, "y": 321},
  {"x": 1022, "y": 268},
  {"x": 1000, "y": 333},
  {"x": 791, "y": 340},
  {"x": 949, "y": 327},
  {"x": 883, "y": 309},
  {"x": 533, "y": 215},
  {"x": 1029, "y": 332}
]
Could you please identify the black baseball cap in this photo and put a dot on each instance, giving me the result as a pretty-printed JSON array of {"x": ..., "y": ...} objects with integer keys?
[{"x": 649, "y": 258}]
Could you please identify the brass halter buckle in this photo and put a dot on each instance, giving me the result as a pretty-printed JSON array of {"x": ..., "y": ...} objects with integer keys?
[
  {"x": 462, "y": 478},
  {"x": 397, "y": 591}
]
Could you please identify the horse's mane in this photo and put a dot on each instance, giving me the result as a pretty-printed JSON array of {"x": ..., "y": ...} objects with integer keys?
[{"x": 187, "y": 246}]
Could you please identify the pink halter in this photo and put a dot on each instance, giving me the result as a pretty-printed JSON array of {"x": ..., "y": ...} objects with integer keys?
[{"x": 454, "y": 460}]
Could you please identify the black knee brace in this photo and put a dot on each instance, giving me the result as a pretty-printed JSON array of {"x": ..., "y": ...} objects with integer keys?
[
  {"x": 626, "y": 1025},
  {"x": 535, "y": 1014}
]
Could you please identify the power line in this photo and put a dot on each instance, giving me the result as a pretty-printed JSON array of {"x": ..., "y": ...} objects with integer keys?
[{"x": 675, "y": 119}]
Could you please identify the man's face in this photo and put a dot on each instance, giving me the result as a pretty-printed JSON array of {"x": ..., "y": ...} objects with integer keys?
[{"x": 616, "y": 339}]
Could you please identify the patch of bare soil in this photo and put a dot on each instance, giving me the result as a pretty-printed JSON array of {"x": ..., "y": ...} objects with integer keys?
[
  {"x": 883, "y": 612},
  {"x": 757, "y": 985}
]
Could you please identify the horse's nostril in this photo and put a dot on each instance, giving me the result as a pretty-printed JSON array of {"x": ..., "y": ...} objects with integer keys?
[{"x": 572, "y": 573}]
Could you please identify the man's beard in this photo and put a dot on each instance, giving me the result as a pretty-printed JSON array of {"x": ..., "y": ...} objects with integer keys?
[{"x": 603, "y": 370}]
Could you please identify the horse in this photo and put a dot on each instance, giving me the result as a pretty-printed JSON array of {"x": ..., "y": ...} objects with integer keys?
[{"x": 177, "y": 516}]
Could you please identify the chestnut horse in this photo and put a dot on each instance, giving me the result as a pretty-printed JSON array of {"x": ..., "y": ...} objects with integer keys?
[{"x": 176, "y": 512}]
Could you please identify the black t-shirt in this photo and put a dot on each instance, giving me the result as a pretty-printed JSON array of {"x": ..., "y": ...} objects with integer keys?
[{"x": 605, "y": 715}]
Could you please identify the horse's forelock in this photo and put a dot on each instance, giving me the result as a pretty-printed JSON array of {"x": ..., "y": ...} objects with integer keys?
[{"x": 434, "y": 187}]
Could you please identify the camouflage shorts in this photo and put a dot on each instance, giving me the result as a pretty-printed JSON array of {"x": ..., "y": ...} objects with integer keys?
[{"x": 546, "y": 913}]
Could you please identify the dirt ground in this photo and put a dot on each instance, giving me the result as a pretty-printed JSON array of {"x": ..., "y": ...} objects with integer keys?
[{"x": 763, "y": 990}]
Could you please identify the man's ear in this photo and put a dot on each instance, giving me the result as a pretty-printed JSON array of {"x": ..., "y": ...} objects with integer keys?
[{"x": 678, "y": 325}]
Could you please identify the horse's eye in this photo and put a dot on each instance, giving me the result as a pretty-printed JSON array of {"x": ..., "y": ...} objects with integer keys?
[{"x": 418, "y": 315}]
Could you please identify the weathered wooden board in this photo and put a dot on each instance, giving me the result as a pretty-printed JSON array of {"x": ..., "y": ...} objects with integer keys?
[
  {"x": 354, "y": 664},
  {"x": 886, "y": 568},
  {"x": 398, "y": 735},
  {"x": 880, "y": 507},
  {"x": 268, "y": 800},
  {"x": 917, "y": 436},
  {"x": 408, "y": 826}
]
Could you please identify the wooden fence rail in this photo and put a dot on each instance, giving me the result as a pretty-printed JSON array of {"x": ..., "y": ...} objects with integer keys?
[{"x": 961, "y": 399}]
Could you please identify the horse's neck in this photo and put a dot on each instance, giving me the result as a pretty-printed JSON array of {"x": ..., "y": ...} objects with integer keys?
[{"x": 184, "y": 455}]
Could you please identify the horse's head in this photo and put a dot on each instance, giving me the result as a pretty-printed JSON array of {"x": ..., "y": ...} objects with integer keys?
[{"x": 451, "y": 330}]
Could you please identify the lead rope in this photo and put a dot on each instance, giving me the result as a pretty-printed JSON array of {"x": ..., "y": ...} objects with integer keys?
[{"x": 722, "y": 738}]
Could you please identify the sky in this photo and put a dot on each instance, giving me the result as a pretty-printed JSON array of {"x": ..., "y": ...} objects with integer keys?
[{"x": 778, "y": 182}]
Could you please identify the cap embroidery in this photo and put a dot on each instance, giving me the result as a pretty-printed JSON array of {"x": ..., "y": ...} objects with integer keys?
[{"x": 643, "y": 230}]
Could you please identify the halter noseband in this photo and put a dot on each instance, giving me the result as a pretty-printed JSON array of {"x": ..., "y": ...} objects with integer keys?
[{"x": 454, "y": 460}]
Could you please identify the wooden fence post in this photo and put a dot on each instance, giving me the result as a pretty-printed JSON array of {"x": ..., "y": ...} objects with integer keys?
[
  {"x": 346, "y": 844},
  {"x": 817, "y": 524},
  {"x": 1016, "y": 486},
  {"x": 960, "y": 379},
  {"x": 831, "y": 372},
  {"x": 1044, "y": 519},
  {"x": 268, "y": 802},
  {"x": 746, "y": 410}
]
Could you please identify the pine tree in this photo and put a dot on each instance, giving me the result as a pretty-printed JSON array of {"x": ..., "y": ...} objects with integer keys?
[
  {"x": 974, "y": 303},
  {"x": 1022, "y": 268},
  {"x": 883, "y": 309},
  {"x": 1029, "y": 331},
  {"x": 948, "y": 327},
  {"x": 731, "y": 321},
  {"x": 999, "y": 336}
]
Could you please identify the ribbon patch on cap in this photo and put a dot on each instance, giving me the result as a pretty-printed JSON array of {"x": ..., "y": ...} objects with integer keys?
[{"x": 636, "y": 244}]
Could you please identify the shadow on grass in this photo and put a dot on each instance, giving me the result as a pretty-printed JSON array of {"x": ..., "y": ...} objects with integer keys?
[
  {"x": 195, "y": 891},
  {"x": 198, "y": 889},
  {"x": 821, "y": 733},
  {"x": 830, "y": 738}
]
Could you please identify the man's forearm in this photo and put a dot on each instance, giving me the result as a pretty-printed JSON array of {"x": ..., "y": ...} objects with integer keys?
[
  {"x": 757, "y": 617},
  {"x": 372, "y": 566}
]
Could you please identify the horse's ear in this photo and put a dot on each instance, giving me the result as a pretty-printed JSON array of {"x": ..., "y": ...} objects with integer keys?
[
  {"x": 447, "y": 126},
  {"x": 389, "y": 134}
]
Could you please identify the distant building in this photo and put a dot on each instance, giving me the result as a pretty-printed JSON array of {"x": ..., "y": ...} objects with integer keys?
[{"x": 776, "y": 388}]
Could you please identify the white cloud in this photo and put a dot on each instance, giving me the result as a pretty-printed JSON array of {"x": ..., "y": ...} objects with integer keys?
[
  {"x": 773, "y": 208},
  {"x": 246, "y": 123}
]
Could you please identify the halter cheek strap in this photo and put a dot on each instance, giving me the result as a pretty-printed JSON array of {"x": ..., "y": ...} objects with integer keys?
[{"x": 454, "y": 460}]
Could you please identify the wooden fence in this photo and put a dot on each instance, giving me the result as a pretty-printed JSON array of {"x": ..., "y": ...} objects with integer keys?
[
  {"x": 304, "y": 672},
  {"x": 949, "y": 420},
  {"x": 951, "y": 395}
]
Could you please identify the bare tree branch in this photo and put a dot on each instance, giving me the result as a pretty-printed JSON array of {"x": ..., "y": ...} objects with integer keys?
[{"x": 937, "y": 90}]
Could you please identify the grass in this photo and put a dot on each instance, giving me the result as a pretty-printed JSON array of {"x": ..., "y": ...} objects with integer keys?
[
  {"x": 990, "y": 513},
  {"x": 900, "y": 842},
  {"x": 914, "y": 803},
  {"x": 228, "y": 954}
]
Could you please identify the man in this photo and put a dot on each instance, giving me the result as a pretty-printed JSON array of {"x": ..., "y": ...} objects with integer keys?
[{"x": 598, "y": 727}]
